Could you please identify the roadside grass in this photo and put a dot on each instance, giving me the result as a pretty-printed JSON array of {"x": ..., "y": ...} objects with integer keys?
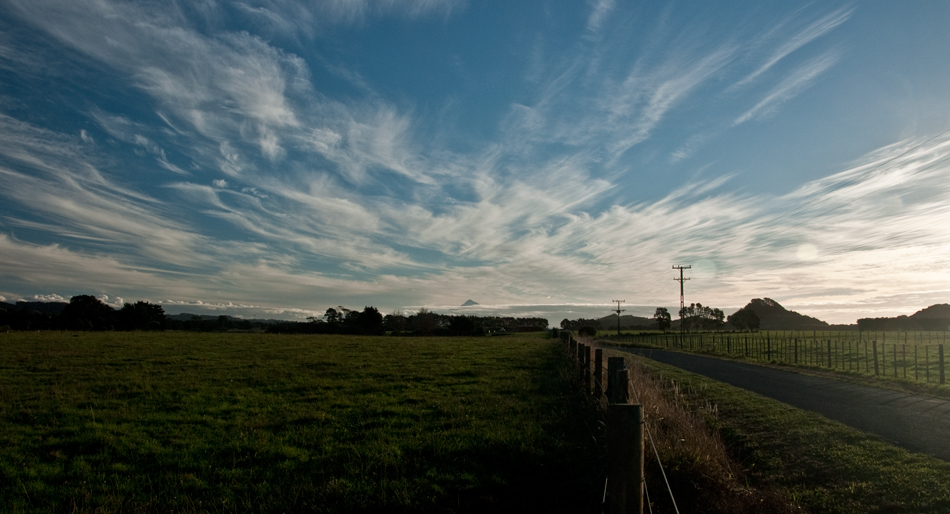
[
  {"x": 701, "y": 473},
  {"x": 822, "y": 465},
  {"x": 185, "y": 422}
]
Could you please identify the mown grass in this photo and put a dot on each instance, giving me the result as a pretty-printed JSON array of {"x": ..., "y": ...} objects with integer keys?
[
  {"x": 820, "y": 464},
  {"x": 183, "y": 422}
]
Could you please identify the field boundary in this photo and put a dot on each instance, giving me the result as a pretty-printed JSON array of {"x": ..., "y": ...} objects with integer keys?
[{"x": 857, "y": 353}]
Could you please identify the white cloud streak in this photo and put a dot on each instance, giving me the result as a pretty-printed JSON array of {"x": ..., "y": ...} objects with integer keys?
[
  {"x": 599, "y": 12},
  {"x": 813, "y": 31},
  {"x": 798, "y": 81}
]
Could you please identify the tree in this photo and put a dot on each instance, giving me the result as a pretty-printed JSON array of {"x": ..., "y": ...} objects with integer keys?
[
  {"x": 699, "y": 316},
  {"x": 395, "y": 322},
  {"x": 744, "y": 319},
  {"x": 425, "y": 321},
  {"x": 370, "y": 321},
  {"x": 587, "y": 331},
  {"x": 662, "y": 317},
  {"x": 351, "y": 318},
  {"x": 462, "y": 325},
  {"x": 333, "y": 316},
  {"x": 141, "y": 316},
  {"x": 86, "y": 312}
]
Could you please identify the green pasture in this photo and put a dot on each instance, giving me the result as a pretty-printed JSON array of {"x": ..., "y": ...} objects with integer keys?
[
  {"x": 911, "y": 357},
  {"x": 185, "y": 422}
]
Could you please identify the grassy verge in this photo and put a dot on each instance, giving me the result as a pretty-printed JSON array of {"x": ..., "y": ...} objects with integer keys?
[
  {"x": 822, "y": 465},
  {"x": 182, "y": 422}
]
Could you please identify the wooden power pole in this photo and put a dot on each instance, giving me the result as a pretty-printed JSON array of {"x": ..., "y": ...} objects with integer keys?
[
  {"x": 682, "y": 296},
  {"x": 619, "y": 310}
]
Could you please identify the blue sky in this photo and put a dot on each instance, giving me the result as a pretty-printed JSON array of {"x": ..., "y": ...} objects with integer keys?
[{"x": 274, "y": 158}]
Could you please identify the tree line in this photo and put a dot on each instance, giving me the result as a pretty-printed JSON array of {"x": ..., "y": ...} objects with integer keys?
[
  {"x": 341, "y": 320},
  {"x": 85, "y": 312}
]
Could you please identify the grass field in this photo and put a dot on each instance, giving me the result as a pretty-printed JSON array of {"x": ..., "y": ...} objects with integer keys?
[{"x": 184, "y": 422}]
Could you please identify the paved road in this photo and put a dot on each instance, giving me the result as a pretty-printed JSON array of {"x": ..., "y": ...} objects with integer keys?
[{"x": 917, "y": 423}]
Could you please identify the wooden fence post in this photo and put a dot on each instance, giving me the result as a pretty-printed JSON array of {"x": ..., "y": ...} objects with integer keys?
[
  {"x": 615, "y": 364},
  {"x": 598, "y": 373},
  {"x": 874, "y": 347},
  {"x": 623, "y": 386},
  {"x": 587, "y": 376},
  {"x": 625, "y": 458},
  {"x": 580, "y": 354},
  {"x": 829, "y": 353},
  {"x": 943, "y": 379}
]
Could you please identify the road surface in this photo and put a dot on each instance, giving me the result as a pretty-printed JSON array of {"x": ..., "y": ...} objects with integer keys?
[{"x": 917, "y": 423}]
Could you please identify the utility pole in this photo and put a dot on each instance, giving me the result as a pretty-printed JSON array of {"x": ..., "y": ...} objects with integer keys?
[
  {"x": 682, "y": 296},
  {"x": 619, "y": 310}
]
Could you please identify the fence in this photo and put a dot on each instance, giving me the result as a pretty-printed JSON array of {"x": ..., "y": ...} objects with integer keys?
[
  {"x": 624, "y": 489},
  {"x": 905, "y": 355}
]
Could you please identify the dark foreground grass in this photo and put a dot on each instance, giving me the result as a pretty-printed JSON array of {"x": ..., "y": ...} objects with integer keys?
[
  {"x": 823, "y": 465},
  {"x": 180, "y": 422}
]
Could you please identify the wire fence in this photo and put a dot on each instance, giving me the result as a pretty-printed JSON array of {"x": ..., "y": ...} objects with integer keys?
[
  {"x": 615, "y": 392},
  {"x": 917, "y": 356}
]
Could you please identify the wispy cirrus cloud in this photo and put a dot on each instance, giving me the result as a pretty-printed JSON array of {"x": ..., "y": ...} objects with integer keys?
[
  {"x": 53, "y": 177},
  {"x": 644, "y": 99},
  {"x": 813, "y": 31},
  {"x": 286, "y": 190},
  {"x": 794, "y": 84},
  {"x": 359, "y": 10},
  {"x": 599, "y": 12}
]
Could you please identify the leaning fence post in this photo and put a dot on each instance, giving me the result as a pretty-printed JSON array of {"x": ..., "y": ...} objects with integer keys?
[
  {"x": 940, "y": 360},
  {"x": 874, "y": 347},
  {"x": 598, "y": 373},
  {"x": 587, "y": 368},
  {"x": 625, "y": 458}
]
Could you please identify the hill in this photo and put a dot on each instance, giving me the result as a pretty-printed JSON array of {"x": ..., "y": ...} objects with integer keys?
[
  {"x": 935, "y": 317},
  {"x": 187, "y": 316},
  {"x": 772, "y": 316},
  {"x": 628, "y": 322},
  {"x": 43, "y": 307},
  {"x": 938, "y": 311}
]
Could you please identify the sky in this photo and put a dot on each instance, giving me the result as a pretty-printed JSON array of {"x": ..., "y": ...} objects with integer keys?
[{"x": 273, "y": 158}]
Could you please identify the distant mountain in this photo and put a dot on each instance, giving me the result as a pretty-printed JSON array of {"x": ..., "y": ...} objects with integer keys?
[
  {"x": 773, "y": 316},
  {"x": 44, "y": 307},
  {"x": 187, "y": 316},
  {"x": 469, "y": 303}
]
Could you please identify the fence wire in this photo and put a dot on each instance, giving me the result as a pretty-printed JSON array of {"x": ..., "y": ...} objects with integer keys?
[{"x": 657, "y": 453}]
